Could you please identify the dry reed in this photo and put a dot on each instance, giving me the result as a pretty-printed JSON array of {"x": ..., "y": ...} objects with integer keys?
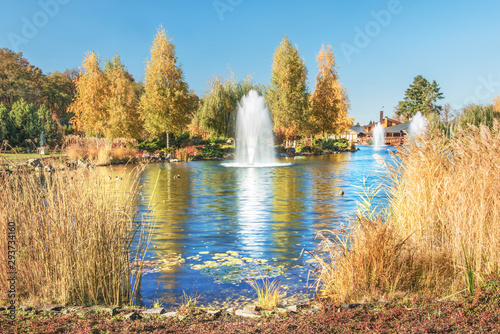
[
  {"x": 440, "y": 233},
  {"x": 77, "y": 237}
]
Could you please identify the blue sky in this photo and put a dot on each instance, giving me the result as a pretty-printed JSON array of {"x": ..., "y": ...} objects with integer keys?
[{"x": 380, "y": 46}]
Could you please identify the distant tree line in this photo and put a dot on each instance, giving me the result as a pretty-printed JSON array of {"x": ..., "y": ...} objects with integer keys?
[{"x": 104, "y": 100}]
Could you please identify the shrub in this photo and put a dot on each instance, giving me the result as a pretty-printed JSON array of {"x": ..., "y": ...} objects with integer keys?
[
  {"x": 280, "y": 148},
  {"x": 151, "y": 145},
  {"x": 304, "y": 149},
  {"x": 212, "y": 151}
]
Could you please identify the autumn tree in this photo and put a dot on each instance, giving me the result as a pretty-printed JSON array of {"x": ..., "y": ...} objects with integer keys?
[
  {"x": 58, "y": 91},
  {"x": 329, "y": 102},
  {"x": 122, "y": 104},
  {"x": 217, "y": 112},
  {"x": 18, "y": 79},
  {"x": 496, "y": 103},
  {"x": 421, "y": 97},
  {"x": 166, "y": 103},
  {"x": 287, "y": 95},
  {"x": 90, "y": 106}
]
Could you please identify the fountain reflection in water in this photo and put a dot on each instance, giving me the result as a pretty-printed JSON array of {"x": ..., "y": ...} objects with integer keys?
[
  {"x": 379, "y": 135},
  {"x": 254, "y": 134}
]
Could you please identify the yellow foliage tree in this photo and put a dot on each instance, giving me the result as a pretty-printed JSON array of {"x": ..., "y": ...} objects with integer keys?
[
  {"x": 91, "y": 99},
  {"x": 329, "y": 101},
  {"x": 496, "y": 103},
  {"x": 166, "y": 103},
  {"x": 287, "y": 96},
  {"x": 124, "y": 118}
]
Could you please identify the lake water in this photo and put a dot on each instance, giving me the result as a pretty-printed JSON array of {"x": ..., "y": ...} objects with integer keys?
[{"x": 217, "y": 227}]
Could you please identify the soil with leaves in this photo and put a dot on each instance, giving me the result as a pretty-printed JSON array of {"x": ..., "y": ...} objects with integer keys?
[{"x": 477, "y": 313}]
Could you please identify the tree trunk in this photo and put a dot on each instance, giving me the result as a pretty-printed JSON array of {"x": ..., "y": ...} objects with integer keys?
[{"x": 168, "y": 140}]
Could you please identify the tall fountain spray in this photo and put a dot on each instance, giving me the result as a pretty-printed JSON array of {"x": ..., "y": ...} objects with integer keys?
[
  {"x": 254, "y": 132},
  {"x": 417, "y": 125},
  {"x": 379, "y": 135}
]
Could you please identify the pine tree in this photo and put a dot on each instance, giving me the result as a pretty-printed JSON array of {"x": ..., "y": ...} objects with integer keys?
[
  {"x": 26, "y": 124},
  {"x": 421, "y": 97},
  {"x": 166, "y": 102},
  {"x": 287, "y": 96},
  {"x": 329, "y": 101},
  {"x": 49, "y": 126},
  {"x": 92, "y": 92}
]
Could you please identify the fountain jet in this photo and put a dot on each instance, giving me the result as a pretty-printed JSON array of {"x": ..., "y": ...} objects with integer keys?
[
  {"x": 417, "y": 125},
  {"x": 379, "y": 135},
  {"x": 254, "y": 132}
]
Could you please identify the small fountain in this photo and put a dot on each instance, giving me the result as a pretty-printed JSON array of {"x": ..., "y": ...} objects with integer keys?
[
  {"x": 379, "y": 135},
  {"x": 254, "y": 134},
  {"x": 417, "y": 125}
]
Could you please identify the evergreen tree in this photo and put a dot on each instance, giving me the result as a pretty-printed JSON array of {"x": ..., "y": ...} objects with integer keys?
[
  {"x": 26, "y": 124},
  {"x": 49, "y": 126},
  {"x": 166, "y": 103},
  {"x": 287, "y": 95},
  {"x": 329, "y": 101},
  {"x": 6, "y": 126},
  {"x": 421, "y": 97}
]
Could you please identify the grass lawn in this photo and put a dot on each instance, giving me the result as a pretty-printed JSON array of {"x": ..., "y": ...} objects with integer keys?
[{"x": 26, "y": 156}]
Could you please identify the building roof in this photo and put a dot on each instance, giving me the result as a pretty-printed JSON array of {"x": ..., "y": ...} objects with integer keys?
[
  {"x": 358, "y": 129},
  {"x": 399, "y": 127}
]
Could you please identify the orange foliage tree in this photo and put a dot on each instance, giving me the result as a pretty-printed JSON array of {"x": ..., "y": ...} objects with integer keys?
[{"x": 329, "y": 102}]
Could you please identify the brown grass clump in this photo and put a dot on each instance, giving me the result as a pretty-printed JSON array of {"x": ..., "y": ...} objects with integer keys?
[
  {"x": 100, "y": 151},
  {"x": 74, "y": 233},
  {"x": 441, "y": 231}
]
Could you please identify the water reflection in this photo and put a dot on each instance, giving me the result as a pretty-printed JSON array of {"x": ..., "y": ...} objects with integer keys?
[
  {"x": 253, "y": 210},
  {"x": 203, "y": 208}
]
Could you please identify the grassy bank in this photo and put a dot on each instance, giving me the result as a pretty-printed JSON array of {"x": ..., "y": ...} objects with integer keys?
[
  {"x": 439, "y": 233},
  {"x": 72, "y": 238},
  {"x": 467, "y": 314}
]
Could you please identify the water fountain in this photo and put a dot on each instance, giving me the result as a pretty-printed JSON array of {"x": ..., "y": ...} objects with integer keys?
[
  {"x": 254, "y": 134},
  {"x": 417, "y": 125},
  {"x": 379, "y": 135}
]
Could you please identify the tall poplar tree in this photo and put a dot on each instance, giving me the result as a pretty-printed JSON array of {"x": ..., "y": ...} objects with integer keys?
[
  {"x": 90, "y": 106},
  {"x": 496, "y": 103},
  {"x": 166, "y": 103},
  {"x": 124, "y": 118},
  {"x": 287, "y": 95},
  {"x": 329, "y": 102}
]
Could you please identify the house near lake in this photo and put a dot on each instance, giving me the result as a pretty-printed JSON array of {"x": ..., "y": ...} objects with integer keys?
[{"x": 395, "y": 132}]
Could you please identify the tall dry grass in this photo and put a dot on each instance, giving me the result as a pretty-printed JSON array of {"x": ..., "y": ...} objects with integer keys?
[
  {"x": 440, "y": 233},
  {"x": 100, "y": 151},
  {"x": 78, "y": 240}
]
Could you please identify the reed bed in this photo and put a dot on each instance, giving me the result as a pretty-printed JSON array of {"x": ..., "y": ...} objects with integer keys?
[
  {"x": 78, "y": 238},
  {"x": 100, "y": 151},
  {"x": 438, "y": 235}
]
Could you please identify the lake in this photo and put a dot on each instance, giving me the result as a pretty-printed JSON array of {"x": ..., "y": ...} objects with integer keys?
[{"x": 217, "y": 227}]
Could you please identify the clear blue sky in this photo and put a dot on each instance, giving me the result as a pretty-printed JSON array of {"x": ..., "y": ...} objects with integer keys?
[{"x": 380, "y": 46}]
